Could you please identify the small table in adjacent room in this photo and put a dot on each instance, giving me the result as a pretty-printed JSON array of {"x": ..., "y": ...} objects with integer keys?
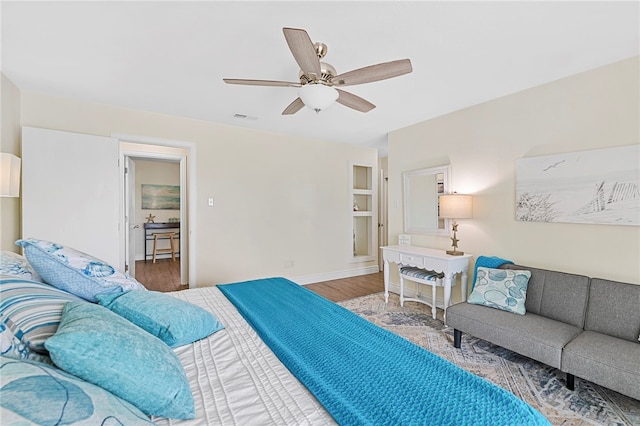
[
  {"x": 152, "y": 228},
  {"x": 428, "y": 259}
]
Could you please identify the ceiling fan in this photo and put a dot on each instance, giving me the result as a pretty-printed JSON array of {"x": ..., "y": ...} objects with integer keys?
[{"x": 319, "y": 81}]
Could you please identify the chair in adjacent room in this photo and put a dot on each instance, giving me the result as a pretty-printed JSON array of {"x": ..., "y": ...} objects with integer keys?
[{"x": 170, "y": 249}]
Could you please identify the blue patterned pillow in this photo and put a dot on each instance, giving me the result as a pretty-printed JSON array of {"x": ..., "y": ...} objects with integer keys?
[
  {"x": 31, "y": 310},
  {"x": 103, "y": 348},
  {"x": 504, "y": 289},
  {"x": 36, "y": 393},
  {"x": 174, "y": 321},
  {"x": 74, "y": 271},
  {"x": 16, "y": 265}
]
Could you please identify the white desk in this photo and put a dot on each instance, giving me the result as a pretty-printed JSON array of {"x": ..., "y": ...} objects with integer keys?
[{"x": 431, "y": 259}]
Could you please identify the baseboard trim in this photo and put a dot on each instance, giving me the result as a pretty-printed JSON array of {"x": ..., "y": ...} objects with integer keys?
[{"x": 311, "y": 279}]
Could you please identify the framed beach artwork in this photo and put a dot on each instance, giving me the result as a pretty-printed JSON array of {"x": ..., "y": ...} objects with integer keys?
[
  {"x": 160, "y": 197},
  {"x": 599, "y": 187}
]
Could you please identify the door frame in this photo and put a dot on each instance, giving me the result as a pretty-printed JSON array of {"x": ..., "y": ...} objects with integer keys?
[{"x": 187, "y": 198}]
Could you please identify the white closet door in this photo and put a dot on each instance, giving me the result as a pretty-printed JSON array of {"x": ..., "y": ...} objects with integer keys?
[{"x": 70, "y": 191}]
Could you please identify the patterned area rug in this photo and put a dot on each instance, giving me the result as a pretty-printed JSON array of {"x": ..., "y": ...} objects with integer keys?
[{"x": 539, "y": 385}]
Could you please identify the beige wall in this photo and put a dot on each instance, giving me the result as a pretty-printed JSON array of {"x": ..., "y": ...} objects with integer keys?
[
  {"x": 279, "y": 200},
  {"x": 10, "y": 143},
  {"x": 595, "y": 109}
]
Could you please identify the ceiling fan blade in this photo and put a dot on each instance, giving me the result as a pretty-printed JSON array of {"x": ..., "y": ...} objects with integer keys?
[
  {"x": 261, "y": 82},
  {"x": 373, "y": 73},
  {"x": 352, "y": 101},
  {"x": 293, "y": 107},
  {"x": 303, "y": 51}
]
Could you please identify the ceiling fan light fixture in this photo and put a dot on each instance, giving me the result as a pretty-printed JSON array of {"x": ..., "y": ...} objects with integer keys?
[{"x": 318, "y": 96}]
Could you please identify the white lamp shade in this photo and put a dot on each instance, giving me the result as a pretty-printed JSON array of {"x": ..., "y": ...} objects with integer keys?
[
  {"x": 9, "y": 175},
  {"x": 456, "y": 206},
  {"x": 317, "y": 96}
]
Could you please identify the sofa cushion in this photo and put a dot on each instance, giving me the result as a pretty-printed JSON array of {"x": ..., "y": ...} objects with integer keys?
[
  {"x": 614, "y": 309},
  {"x": 556, "y": 295},
  {"x": 531, "y": 335},
  {"x": 501, "y": 289},
  {"x": 606, "y": 360}
]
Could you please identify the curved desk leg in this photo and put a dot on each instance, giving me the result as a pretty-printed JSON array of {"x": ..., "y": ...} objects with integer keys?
[{"x": 386, "y": 281}]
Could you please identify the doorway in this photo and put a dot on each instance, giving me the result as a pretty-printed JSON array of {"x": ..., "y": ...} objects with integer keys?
[{"x": 155, "y": 202}]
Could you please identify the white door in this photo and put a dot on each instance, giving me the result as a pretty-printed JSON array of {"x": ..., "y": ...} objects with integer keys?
[
  {"x": 70, "y": 191},
  {"x": 129, "y": 218}
]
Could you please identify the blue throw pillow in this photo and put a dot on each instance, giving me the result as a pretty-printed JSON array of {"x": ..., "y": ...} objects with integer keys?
[
  {"x": 176, "y": 322},
  {"x": 74, "y": 271},
  {"x": 504, "y": 289},
  {"x": 103, "y": 348},
  {"x": 32, "y": 310},
  {"x": 36, "y": 393}
]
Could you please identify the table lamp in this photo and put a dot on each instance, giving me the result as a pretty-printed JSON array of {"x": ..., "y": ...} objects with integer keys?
[{"x": 455, "y": 206}]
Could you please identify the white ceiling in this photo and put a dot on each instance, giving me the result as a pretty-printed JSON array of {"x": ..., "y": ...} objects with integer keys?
[{"x": 170, "y": 57}]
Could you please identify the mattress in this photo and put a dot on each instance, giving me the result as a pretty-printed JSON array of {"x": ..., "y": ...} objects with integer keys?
[{"x": 236, "y": 379}]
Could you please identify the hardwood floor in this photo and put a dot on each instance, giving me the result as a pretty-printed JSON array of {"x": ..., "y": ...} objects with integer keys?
[
  {"x": 164, "y": 275},
  {"x": 348, "y": 288}
]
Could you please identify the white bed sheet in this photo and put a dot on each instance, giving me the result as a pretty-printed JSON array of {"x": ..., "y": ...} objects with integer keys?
[{"x": 236, "y": 379}]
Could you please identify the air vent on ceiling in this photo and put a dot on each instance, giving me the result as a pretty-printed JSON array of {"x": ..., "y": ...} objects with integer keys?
[{"x": 244, "y": 117}]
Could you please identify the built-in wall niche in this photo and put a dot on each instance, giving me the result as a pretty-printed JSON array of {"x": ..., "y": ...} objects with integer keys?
[
  {"x": 363, "y": 212},
  {"x": 421, "y": 190}
]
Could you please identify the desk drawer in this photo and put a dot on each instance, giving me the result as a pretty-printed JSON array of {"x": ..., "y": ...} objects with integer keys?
[{"x": 408, "y": 259}]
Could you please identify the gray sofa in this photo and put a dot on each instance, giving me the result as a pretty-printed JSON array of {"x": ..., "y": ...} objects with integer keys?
[{"x": 582, "y": 326}]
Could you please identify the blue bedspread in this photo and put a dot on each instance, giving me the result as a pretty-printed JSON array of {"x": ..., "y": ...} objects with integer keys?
[{"x": 363, "y": 374}]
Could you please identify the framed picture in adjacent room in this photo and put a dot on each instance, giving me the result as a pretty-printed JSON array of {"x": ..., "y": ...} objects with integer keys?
[{"x": 160, "y": 197}]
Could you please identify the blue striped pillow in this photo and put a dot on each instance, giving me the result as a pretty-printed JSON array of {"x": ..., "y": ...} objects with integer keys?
[{"x": 31, "y": 310}]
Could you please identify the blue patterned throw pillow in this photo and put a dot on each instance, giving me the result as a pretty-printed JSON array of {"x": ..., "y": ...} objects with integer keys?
[
  {"x": 74, "y": 271},
  {"x": 105, "y": 349},
  {"x": 17, "y": 266},
  {"x": 176, "y": 322},
  {"x": 36, "y": 393},
  {"x": 504, "y": 289}
]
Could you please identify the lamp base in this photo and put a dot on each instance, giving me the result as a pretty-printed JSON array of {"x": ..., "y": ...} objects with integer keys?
[{"x": 455, "y": 252}]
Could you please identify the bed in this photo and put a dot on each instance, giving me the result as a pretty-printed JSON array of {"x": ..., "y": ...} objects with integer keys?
[{"x": 255, "y": 367}]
